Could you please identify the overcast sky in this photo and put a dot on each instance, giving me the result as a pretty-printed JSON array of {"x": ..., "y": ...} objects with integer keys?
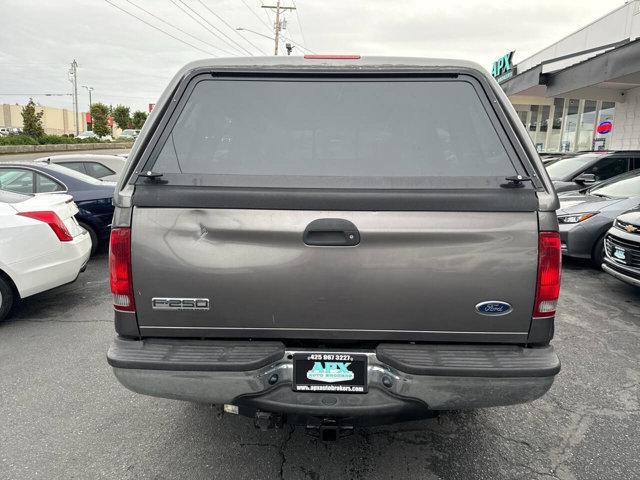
[{"x": 129, "y": 62}]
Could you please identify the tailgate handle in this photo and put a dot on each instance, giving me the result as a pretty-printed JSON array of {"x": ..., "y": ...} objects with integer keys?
[{"x": 331, "y": 232}]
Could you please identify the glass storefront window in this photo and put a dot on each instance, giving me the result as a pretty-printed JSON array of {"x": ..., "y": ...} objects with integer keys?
[
  {"x": 601, "y": 141},
  {"x": 587, "y": 126},
  {"x": 544, "y": 118},
  {"x": 556, "y": 125},
  {"x": 570, "y": 126},
  {"x": 523, "y": 117},
  {"x": 533, "y": 122}
]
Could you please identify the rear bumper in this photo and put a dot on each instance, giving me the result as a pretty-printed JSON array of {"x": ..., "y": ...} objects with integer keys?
[
  {"x": 401, "y": 378},
  {"x": 576, "y": 240},
  {"x": 56, "y": 268}
]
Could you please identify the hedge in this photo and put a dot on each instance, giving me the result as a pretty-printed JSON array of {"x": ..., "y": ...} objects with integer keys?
[{"x": 45, "y": 140}]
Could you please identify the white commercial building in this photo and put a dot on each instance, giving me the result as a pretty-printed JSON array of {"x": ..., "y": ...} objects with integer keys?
[{"x": 582, "y": 92}]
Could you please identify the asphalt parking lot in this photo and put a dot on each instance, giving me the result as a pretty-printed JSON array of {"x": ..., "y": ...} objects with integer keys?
[{"x": 63, "y": 415}]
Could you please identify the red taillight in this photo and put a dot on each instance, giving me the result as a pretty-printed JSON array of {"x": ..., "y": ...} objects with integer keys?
[
  {"x": 120, "y": 269},
  {"x": 549, "y": 268},
  {"x": 53, "y": 220},
  {"x": 332, "y": 57}
]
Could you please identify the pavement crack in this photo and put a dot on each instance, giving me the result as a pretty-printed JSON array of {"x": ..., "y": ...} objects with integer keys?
[
  {"x": 526, "y": 467},
  {"x": 283, "y": 447},
  {"x": 576, "y": 433},
  {"x": 258, "y": 444},
  {"x": 512, "y": 440}
]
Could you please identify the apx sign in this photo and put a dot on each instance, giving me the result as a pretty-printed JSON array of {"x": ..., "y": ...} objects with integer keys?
[
  {"x": 503, "y": 69},
  {"x": 330, "y": 372}
]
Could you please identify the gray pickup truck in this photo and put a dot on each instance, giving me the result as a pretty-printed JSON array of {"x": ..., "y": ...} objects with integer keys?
[{"x": 334, "y": 241}]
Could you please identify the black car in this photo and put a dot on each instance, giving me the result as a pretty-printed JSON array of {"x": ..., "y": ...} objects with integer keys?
[
  {"x": 622, "y": 248},
  {"x": 580, "y": 171},
  {"x": 93, "y": 197}
]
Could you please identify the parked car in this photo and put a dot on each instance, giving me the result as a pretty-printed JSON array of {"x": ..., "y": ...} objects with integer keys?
[
  {"x": 585, "y": 216},
  {"x": 103, "y": 167},
  {"x": 130, "y": 134},
  {"x": 90, "y": 134},
  {"x": 43, "y": 246},
  {"x": 93, "y": 197},
  {"x": 551, "y": 157},
  {"x": 398, "y": 258},
  {"x": 580, "y": 171},
  {"x": 5, "y": 131},
  {"x": 622, "y": 248}
]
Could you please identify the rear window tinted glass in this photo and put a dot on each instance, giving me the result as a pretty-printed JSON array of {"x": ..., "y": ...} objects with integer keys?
[
  {"x": 77, "y": 166},
  {"x": 72, "y": 173},
  {"x": 97, "y": 170},
  {"x": 17, "y": 180},
  {"x": 334, "y": 129},
  {"x": 46, "y": 185}
]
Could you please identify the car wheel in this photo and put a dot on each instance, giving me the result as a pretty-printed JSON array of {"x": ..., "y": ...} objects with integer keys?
[
  {"x": 597, "y": 255},
  {"x": 92, "y": 234},
  {"x": 6, "y": 298}
]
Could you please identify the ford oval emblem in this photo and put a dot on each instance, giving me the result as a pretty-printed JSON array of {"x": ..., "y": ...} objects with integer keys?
[{"x": 493, "y": 307}]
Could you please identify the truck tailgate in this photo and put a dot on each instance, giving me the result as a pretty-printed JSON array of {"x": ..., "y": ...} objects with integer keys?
[{"x": 413, "y": 275}]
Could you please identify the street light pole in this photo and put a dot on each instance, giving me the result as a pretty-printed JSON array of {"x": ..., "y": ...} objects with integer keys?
[
  {"x": 89, "y": 89},
  {"x": 73, "y": 73}
]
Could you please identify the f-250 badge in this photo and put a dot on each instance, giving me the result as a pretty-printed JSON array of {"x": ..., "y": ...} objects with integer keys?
[{"x": 180, "y": 303}]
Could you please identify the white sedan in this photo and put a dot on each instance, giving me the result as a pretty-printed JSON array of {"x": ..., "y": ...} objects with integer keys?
[{"x": 41, "y": 245}]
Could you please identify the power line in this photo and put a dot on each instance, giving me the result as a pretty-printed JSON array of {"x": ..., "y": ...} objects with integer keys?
[
  {"x": 235, "y": 43},
  {"x": 266, "y": 13},
  {"x": 257, "y": 16},
  {"x": 304, "y": 40},
  {"x": 175, "y": 2},
  {"x": 272, "y": 38},
  {"x": 159, "y": 29},
  {"x": 297, "y": 44},
  {"x": 171, "y": 25},
  {"x": 229, "y": 26}
]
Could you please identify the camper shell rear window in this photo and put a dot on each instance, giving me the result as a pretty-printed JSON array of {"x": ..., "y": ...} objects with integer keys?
[{"x": 327, "y": 132}]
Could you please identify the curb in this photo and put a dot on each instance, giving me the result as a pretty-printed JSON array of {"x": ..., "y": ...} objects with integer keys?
[{"x": 63, "y": 147}]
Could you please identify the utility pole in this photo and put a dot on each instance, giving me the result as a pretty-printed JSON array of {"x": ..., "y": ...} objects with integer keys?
[
  {"x": 89, "y": 89},
  {"x": 278, "y": 24},
  {"x": 73, "y": 78}
]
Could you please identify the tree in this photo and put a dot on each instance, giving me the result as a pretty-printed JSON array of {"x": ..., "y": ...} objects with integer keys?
[
  {"x": 32, "y": 120},
  {"x": 122, "y": 117},
  {"x": 99, "y": 114},
  {"x": 138, "y": 119}
]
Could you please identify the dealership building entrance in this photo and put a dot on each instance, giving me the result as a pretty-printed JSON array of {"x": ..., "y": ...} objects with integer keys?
[{"x": 582, "y": 92}]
